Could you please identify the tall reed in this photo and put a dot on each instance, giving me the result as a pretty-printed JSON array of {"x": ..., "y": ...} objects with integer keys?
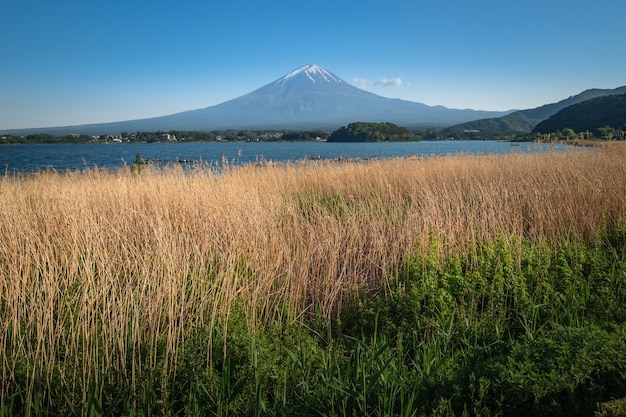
[{"x": 105, "y": 273}]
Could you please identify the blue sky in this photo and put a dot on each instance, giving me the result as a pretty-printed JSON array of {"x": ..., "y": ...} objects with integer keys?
[{"x": 68, "y": 62}]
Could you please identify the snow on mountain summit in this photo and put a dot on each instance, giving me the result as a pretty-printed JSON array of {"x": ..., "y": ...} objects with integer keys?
[{"x": 314, "y": 73}]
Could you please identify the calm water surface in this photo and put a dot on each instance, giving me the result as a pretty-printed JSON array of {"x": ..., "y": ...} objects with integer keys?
[{"x": 32, "y": 158}]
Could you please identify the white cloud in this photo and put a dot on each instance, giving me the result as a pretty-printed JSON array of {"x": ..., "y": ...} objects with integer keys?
[
  {"x": 366, "y": 84},
  {"x": 389, "y": 82},
  {"x": 361, "y": 82}
]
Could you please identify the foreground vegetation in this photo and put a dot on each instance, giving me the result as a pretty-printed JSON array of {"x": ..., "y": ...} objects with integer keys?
[{"x": 465, "y": 285}]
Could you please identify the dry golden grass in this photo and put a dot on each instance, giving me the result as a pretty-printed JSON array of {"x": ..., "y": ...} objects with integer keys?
[{"x": 101, "y": 269}]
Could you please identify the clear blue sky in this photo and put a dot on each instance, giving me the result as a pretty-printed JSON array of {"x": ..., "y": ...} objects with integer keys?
[{"x": 67, "y": 62}]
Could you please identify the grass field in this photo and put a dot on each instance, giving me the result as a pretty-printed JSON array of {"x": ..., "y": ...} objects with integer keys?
[{"x": 459, "y": 285}]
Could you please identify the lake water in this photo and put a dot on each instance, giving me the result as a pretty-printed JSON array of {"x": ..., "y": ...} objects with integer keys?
[{"x": 32, "y": 158}]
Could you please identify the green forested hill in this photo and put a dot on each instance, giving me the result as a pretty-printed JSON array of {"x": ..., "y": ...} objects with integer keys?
[
  {"x": 588, "y": 115},
  {"x": 372, "y": 132},
  {"x": 514, "y": 123},
  {"x": 523, "y": 121}
]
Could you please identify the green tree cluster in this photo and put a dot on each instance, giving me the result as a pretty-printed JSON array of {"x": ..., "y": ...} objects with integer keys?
[
  {"x": 304, "y": 135},
  {"x": 372, "y": 132}
]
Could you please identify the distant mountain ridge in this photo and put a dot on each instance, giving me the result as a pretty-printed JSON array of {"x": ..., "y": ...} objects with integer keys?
[
  {"x": 309, "y": 97},
  {"x": 524, "y": 121},
  {"x": 588, "y": 115}
]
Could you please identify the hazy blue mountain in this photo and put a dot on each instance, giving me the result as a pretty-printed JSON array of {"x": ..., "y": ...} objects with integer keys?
[
  {"x": 524, "y": 121},
  {"x": 309, "y": 97}
]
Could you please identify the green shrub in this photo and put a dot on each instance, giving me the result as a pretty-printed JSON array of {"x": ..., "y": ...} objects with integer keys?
[{"x": 615, "y": 408}]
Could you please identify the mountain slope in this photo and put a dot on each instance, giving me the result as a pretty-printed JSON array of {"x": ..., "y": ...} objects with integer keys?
[
  {"x": 524, "y": 121},
  {"x": 308, "y": 97},
  {"x": 588, "y": 115}
]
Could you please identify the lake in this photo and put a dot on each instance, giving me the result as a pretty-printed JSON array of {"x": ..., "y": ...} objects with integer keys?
[{"x": 32, "y": 158}]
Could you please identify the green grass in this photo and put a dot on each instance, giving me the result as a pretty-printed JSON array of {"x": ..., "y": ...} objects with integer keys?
[{"x": 514, "y": 329}]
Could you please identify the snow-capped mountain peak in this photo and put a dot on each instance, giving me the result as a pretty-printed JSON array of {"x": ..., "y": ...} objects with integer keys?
[{"x": 314, "y": 73}]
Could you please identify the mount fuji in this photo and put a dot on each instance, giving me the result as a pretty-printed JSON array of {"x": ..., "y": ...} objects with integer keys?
[{"x": 306, "y": 98}]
